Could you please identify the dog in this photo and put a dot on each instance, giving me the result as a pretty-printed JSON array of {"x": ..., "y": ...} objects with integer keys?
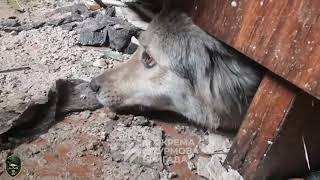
[{"x": 179, "y": 67}]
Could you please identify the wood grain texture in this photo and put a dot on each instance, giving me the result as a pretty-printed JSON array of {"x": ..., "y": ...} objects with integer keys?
[
  {"x": 287, "y": 158},
  {"x": 264, "y": 119},
  {"x": 283, "y": 36}
]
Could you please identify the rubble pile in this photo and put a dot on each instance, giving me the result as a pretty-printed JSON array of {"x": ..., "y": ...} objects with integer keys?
[
  {"x": 96, "y": 28},
  {"x": 51, "y": 119}
]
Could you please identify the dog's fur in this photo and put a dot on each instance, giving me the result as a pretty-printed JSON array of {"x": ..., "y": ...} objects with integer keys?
[{"x": 194, "y": 75}]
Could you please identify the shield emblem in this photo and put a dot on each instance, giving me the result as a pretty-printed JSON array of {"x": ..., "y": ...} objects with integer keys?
[{"x": 13, "y": 165}]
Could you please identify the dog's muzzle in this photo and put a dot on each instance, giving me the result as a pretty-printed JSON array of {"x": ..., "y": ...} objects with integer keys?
[{"x": 94, "y": 85}]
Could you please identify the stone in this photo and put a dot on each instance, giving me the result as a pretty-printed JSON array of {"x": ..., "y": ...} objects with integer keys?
[
  {"x": 104, "y": 30},
  {"x": 113, "y": 55},
  {"x": 131, "y": 48},
  {"x": 79, "y": 9},
  {"x": 12, "y": 117},
  {"x": 56, "y": 22},
  {"x": 65, "y": 20},
  {"x": 91, "y": 4},
  {"x": 101, "y": 63},
  {"x": 110, "y": 11},
  {"x": 23, "y": 27},
  {"x": 113, "y": 116},
  {"x": 120, "y": 38},
  {"x": 67, "y": 96},
  {"x": 86, "y": 114},
  {"x": 69, "y": 26},
  {"x": 69, "y": 14},
  {"x": 140, "y": 121},
  {"x": 95, "y": 38},
  {"x": 10, "y": 22}
]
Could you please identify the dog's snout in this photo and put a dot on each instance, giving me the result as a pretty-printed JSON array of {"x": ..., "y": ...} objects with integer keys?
[{"x": 94, "y": 85}]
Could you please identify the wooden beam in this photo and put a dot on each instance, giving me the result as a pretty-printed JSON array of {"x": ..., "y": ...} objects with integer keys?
[
  {"x": 283, "y": 36},
  {"x": 287, "y": 157},
  {"x": 261, "y": 126}
]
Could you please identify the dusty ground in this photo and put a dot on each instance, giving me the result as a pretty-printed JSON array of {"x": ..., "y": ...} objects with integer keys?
[{"x": 98, "y": 144}]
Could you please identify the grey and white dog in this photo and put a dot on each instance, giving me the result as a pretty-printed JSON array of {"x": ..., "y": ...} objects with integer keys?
[{"x": 179, "y": 67}]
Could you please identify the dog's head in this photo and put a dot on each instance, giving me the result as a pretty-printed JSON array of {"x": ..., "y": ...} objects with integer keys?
[{"x": 177, "y": 68}]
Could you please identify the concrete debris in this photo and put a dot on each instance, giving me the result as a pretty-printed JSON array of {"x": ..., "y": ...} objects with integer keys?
[
  {"x": 95, "y": 38},
  {"x": 191, "y": 166},
  {"x": 120, "y": 37},
  {"x": 141, "y": 145},
  {"x": 211, "y": 168},
  {"x": 86, "y": 114},
  {"x": 8, "y": 26},
  {"x": 125, "y": 170},
  {"x": 10, "y": 22},
  {"x": 91, "y": 4},
  {"x": 48, "y": 113},
  {"x": 67, "y": 96},
  {"x": 100, "y": 63},
  {"x": 95, "y": 28},
  {"x": 190, "y": 155},
  {"x": 148, "y": 173},
  {"x": 215, "y": 144},
  {"x": 172, "y": 175},
  {"x": 113, "y": 2},
  {"x": 104, "y": 30},
  {"x": 180, "y": 128},
  {"x": 117, "y": 56},
  {"x": 64, "y": 19},
  {"x": 110, "y": 11},
  {"x": 18, "y": 115},
  {"x": 51, "y": 54},
  {"x": 113, "y": 116},
  {"x": 140, "y": 121},
  {"x": 68, "y": 14}
]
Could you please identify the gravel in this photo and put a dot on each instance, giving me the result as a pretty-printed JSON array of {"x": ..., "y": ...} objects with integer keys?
[{"x": 43, "y": 46}]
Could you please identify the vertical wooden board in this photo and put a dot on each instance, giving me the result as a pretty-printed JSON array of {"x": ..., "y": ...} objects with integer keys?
[
  {"x": 265, "y": 117},
  {"x": 287, "y": 158},
  {"x": 283, "y": 36}
]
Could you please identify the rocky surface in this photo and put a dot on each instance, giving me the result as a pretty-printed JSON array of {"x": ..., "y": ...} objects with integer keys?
[{"x": 67, "y": 138}]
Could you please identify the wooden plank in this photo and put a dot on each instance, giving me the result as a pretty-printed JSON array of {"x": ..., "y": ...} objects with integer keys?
[
  {"x": 265, "y": 117},
  {"x": 283, "y": 36},
  {"x": 286, "y": 158}
]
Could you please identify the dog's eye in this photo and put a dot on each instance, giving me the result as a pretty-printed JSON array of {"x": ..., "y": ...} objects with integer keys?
[{"x": 147, "y": 60}]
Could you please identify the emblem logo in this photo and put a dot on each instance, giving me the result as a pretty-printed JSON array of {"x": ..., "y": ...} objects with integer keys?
[{"x": 13, "y": 165}]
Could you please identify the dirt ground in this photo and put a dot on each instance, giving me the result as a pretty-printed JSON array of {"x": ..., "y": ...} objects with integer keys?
[{"x": 92, "y": 144}]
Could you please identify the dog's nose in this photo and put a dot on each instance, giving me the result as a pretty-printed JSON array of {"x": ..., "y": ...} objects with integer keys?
[{"x": 94, "y": 85}]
